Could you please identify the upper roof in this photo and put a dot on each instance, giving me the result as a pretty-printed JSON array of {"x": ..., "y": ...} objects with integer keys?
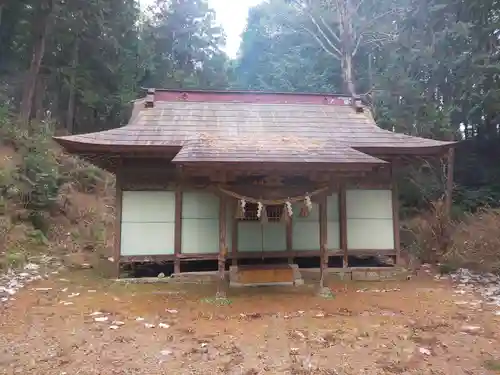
[{"x": 225, "y": 126}]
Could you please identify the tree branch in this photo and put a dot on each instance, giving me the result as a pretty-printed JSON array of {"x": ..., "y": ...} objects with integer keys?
[
  {"x": 335, "y": 53},
  {"x": 377, "y": 17},
  {"x": 330, "y": 43},
  {"x": 330, "y": 30},
  {"x": 358, "y": 42},
  {"x": 358, "y": 6},
  {"x": 376, "y": 41}
]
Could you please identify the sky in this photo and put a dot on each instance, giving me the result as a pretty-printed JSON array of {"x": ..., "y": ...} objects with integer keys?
[{"x": 231, "y": 15}]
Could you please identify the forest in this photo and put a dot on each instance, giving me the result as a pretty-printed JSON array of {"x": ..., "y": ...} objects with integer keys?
[{"x": 425, "y": 67}]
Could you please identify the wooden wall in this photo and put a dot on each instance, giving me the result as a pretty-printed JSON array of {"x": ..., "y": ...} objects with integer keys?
[
  {"x": 200, "y": 223},
  {"x": 148, "y": 223},
  {"x": 369, "y": 219},
  {"x": 149, "y": 214}
]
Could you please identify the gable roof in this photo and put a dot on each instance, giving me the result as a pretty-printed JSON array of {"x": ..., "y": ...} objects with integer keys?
[{"x": 239, "y": 123}]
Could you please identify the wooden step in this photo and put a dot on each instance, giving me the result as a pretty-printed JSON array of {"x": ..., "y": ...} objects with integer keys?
[{"x": 259, "y": 275}]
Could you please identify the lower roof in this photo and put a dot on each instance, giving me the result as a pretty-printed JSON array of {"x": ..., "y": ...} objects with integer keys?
[{"x": 271, "y": 148}]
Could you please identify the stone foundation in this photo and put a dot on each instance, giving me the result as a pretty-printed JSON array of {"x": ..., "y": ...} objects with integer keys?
[
  {"x": 293, "y": 276},
  {"x": 356, "y": 274},
  {"x": 378, "y": 274}
]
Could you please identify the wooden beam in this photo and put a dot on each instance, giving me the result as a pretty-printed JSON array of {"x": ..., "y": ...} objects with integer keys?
[
  {"x": 178, "y": 229},
  {"x": 343, "y": 224},
  {"x": 323, "y": 239},
  {"x": 221, "y": 292},
  {"x": 395, "y": 215},
  {"x": 118, "y": 224},
  {"x": 147, "y": 258}
]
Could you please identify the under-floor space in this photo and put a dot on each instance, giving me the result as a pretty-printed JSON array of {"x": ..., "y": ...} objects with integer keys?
[{"x": 138, "y": 270}]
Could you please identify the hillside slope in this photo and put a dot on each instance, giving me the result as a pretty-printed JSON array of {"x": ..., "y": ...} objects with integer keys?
[{"x": 51, "y": 203}]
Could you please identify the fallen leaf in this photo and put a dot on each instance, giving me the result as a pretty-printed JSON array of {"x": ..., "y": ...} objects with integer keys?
[{"x": 424, "y": 351}]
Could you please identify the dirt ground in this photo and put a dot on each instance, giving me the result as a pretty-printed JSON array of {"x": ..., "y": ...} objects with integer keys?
[{"x": 408, "y": 327}]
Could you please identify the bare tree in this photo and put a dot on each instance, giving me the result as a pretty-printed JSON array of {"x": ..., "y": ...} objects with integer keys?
[{"x": 340, "y": 27}]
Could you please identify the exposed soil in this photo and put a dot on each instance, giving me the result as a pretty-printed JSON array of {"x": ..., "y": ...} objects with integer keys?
[{"x": 410, "y": 327}]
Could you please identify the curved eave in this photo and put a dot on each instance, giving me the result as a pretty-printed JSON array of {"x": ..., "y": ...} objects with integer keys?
[
  {"x": 413, "y": 150},
  {"x": 273, "y": 165},
  {"x": 78, "y": 147}
]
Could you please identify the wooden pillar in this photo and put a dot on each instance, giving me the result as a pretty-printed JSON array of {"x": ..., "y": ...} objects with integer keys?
[
  {"x": 118, "y": 222},
  {"x": 323, "y": 240},
  {"x": 343, "y": 225},
  {"x": 395, "y": 214},
  {"x": 178, "y": 230},
  {"x": 289, "y": 233},
  {"x": 221, "y": 287},
  {"x": 449, "y": 182},
  {"x": 234, "y": 233}
]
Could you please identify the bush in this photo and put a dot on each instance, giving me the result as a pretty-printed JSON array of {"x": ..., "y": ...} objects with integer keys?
[
  {"x": 430, "y": 234},
  {"x": 471, "y": 242},
  {"x": 476, "y": 243},
  {"x": 38, "y": 178},
  {"x": 14, "y": 259}
]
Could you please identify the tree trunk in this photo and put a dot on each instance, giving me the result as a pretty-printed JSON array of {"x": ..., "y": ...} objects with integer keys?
[
  {"x": 347, "y": 75},
  {"x": 347, "y": 46},
  {"x": 38, "y": 98},
  {"x": 70, "y": 115},
  {"x": 1, "y": 11},
  {"x": 40, "y": 28}
]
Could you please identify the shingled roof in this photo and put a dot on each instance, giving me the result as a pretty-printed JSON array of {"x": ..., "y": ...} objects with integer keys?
[
  {"x": 270, "y": 149},
  {"x": 239, "y": 127}
]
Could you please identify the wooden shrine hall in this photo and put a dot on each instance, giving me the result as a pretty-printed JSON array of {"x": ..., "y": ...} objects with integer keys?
[{"x": 229, "y": 176}]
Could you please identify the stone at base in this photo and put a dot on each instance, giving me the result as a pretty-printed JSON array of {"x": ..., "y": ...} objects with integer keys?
[
  {"x": 78, "y": 260},
  {"x": 381, "y": 274},
  {"x": 325, "y": 292}
]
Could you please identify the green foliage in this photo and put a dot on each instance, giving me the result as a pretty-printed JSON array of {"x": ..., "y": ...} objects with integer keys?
[
  {"x": 276, "y": 54},
  {"x": 41, "y": 179},
  {"x": 181, "y": 47},
  {"x": 492, "y": 364},
  {"x": 217, "y": 301},
  {"x": 14, "y": 258},
  {"x": 38, "y": 238},
  {"x": 98, "y": 54},
  {"x": 447, "y": 268},
  {"x": 86, "y": 177}
]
